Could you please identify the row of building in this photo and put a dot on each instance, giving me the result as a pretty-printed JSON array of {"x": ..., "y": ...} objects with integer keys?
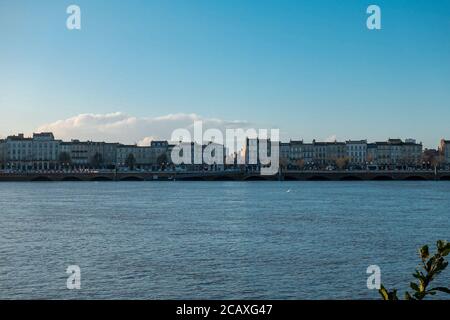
[
  {"x": 43, "y": 152},
  {"x": 391, "y": 153},
  {"x": 360, "y": 154}
]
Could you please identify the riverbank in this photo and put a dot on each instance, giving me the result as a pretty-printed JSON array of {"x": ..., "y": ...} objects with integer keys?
[{"x": 228, "y": 176}]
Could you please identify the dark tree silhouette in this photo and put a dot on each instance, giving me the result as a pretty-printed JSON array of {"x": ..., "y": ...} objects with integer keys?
[
  {"x": 130, "y": 162},
  {"x": 64, "y": 159},
  {"x": 162, "y": 160},
  {"x": 97, "y": 161}
]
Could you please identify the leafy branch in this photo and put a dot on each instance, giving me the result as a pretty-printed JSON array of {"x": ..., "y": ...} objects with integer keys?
[{"x": 431, "y": 267}]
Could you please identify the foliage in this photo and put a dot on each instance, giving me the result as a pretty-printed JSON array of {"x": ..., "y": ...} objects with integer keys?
[
  {"x": 342, "y": 163},
  {"x": 162, "y": 159},
  {"x": 283, "y": 163},
  {"x": 97, "y": 160},
  {"x": 65, "y": 159},
  {"x": 431, "y": 267},
  {"x": 300, "y": 163},
  {"x": 130, "y": 161}
]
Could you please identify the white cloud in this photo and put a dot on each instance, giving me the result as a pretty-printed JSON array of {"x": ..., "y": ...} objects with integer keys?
[
  {"x": 120, "y": 127},
  {"x": 146, "y": 141},
  {"x": 331, "y": 138}
]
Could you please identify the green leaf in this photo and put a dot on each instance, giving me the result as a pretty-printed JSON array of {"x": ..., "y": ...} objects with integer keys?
[
  {"x": 393, "y": 295},
  {"x": 419, "y": 275},
  {"x": 384, "y": 293},
  {"x": 419, "y": 295},
  {"x": 432, "y": 266},
  {"x": 414, "y": 286},
  {"x": 424, "y": 252},
  {"x": 446, "y": 251},
  {"x": 429, "y": 264},
  {"x": 440, "y": 244},
  {"x": 442, "y": 289},
  {"x": 443, "y": 248},
  {"x": 408, "y": 296}
]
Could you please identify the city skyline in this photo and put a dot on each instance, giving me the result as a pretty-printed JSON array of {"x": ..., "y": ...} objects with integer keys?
[
  {"x": 112, "y": 128},
  {"x": 307, "y": 68},
  {"x": 18, "y": 133},
  {"x": 20, "y": 147}
]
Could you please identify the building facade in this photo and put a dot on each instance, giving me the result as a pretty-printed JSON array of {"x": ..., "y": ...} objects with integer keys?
[
  {"x": 43, "y": 152},
  {"x": 396, "y": 153},
  {"x": 158, "y": 153},
  {"x": 285, "y": 149},
  {"x": 37, "y": 153},
  {"x": 300, "y": 154},
  {"x": 356, "y": 152},
  {"x": 328, "y": 154},
  {"x": 2, "y": 154},
  {"x": 444, "y": 151},
  {"x": 89, "y": 154},
  {"x": 254, "y": 149},
  {"x": 151, "y": 157},
  {"x": 140, "y": 156}
]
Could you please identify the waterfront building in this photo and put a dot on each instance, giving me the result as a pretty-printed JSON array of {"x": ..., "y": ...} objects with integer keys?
[
  {"x": 296, "y": 153},
  {"x": 285, "y": 154},
  {"x": 88, "y": 154},
  {"x": 328, "y": 154},
  {"x": 210, "y": 156},
  {"x": 319, "y": 153},
  {"x": 371, "y": 154},
  {"x": 444, "y": 150},
  {"x": 2, "y": 154},
  {"x": 431, "y": 159},
  {"x": 411, "y": 153},
  {"x": 109, "y": 154},
  {"x": 170, "y": 147},
  {"x": 308, "y": 153},
  {"x": 189, "y": 154},
  {"x": 149, "y": 157},
  {"x": 356, "y": 152},
  {"x": 252, "y": 154},
  {"x": 217, "y": 153},
  {"x": 37, "y": 153},
  {"x": 133, "y": 156},
  {"x": 158, "y": 154},
  {"x": 43, "y": 152},
  {"x": 73, "y": 154},
  {"x": 395, "y": 153},
  {"x": 319, "y": 157},
  {"x": 300, "y": 153},
  {"x": 336, "y": 154},
  {"x": 18, "y": 151}
]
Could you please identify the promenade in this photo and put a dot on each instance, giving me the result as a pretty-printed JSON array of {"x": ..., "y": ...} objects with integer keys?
[{"x": 230, "y": 175}]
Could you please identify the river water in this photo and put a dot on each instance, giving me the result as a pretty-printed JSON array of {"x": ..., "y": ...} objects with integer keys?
[{"x": 216, "y": 240}]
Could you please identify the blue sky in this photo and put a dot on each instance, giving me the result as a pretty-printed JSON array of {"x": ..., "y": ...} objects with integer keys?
[{"x": 310, "y": 68}]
